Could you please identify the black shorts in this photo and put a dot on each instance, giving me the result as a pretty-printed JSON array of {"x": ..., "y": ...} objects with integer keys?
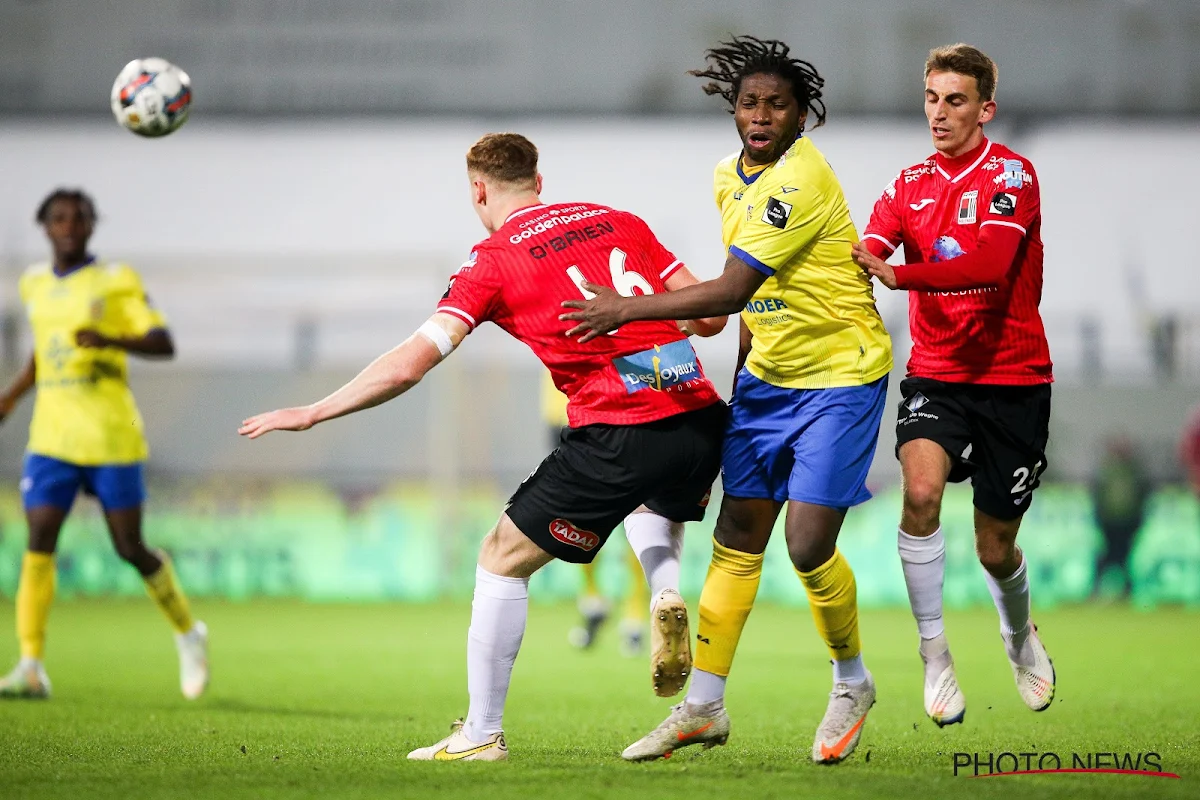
[
  {"x": 995, "y": 435},
  {"x": 600, "y": 473}
]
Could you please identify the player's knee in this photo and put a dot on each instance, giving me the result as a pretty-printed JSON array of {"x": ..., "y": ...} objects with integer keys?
[
  {"x": 922, "y": 504},
  {"x": 996, "y": 553},
  {"x": 809, "y": 553}
]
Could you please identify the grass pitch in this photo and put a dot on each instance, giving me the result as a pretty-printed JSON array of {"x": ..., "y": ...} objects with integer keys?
[{"x": 326, "y": 700}]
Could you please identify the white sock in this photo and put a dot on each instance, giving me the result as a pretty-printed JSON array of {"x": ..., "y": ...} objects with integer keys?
[
  {"x": 498, "y": 615},
  {"x": 924, "y": 561},
  {"x": 29, "y": 662},
  {"x": 658, "y": 543},
  {"x": 1011, "y": 596},
  {"x": 706, "y": 688},
  {"x": 850, "y": 670}
]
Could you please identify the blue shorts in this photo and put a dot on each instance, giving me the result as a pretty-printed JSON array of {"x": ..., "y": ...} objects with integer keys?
[
  {"x": 50, "y": 482},
  {"x": 810, "y": 445}
]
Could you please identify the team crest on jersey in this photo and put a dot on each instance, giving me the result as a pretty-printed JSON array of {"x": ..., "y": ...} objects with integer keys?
[
  {"x": 777, "y": 213},
  {"x": 658, "y": 368},
  {"x": 967, "y": 207}
]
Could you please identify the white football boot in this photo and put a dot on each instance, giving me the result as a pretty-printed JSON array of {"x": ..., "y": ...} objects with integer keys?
[
  {"x": 687, "y": 725},
  {"x": 193, "y": 660},
  {"x": 457, "y": 747},
  {"x": 27, "y": 681},
  {"x": 1034, "y": 672},
  {"x": 944, "y": 701},
  {"x": 841, "y": 728}
]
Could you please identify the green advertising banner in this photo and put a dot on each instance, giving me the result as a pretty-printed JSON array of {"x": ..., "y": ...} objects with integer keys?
[{"x": 413, "y": 543}]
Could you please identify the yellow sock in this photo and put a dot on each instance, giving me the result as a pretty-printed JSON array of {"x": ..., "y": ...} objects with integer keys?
[
  {"x": 590, "y": 589},
  {"x": 637, "y": 604},
  {"x": 725, "y": 603},
  {"x": 35, "y": 593},
  {"x": 163, "y": 588},
  {"x": 833, "y": 596}
]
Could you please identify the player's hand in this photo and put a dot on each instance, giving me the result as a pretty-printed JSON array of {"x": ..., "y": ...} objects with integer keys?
[
  {"x": 873, "y": 265},
  {"x": 284, "y": 419},
  {"x": 599, "y": 315},
  {"x": 87, "y": 337}
]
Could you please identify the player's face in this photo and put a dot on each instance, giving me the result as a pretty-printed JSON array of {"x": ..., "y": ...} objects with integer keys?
[
  {"x": 956, "y": 112},
  {"x": 68, "y": 227},
  {"x": 767, "y": 117}
]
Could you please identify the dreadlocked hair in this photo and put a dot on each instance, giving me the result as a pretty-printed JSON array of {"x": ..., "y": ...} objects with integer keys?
[
  {"x": 78, "y": 195},
  {"x": 742, "y": 56}
]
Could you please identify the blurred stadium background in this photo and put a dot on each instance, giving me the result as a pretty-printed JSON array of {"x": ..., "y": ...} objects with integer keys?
[{"x": 308, "y": 215}]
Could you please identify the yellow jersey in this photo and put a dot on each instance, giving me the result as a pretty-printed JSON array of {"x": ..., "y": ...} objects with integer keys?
[
  {"x": 84, "y": 412},
  {"x": 814, "y": 320},
  {"x": 554, "y": 403}
]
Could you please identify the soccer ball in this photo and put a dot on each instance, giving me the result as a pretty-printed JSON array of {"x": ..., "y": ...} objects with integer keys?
[{"x": 151, "y": 96}]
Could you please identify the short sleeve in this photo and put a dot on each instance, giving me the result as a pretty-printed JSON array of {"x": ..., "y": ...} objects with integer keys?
[
  {"x": 131, "y": 307},
  {"x": 471, "y": 296},
  {"x": 1013, "y": 198},
  {"x": 886, "y": 226},
  {"x": 783, "y": 222}
]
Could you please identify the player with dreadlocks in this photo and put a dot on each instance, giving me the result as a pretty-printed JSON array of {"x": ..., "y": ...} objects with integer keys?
[{"x": 808, "y": 394}]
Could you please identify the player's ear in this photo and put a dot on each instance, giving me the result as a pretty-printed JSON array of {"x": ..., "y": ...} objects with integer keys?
[
  {"x": 537, "y": 183},
  {"x": 989, "y": 111},
  {"x": 479, "y": 192}
]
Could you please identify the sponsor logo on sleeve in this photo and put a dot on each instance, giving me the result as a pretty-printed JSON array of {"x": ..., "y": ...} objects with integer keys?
[
  {"x": 890, "y": 190},
  {"x": 1014, "y": 175},
  {"x": 967, "y": 207},
  {"x": 660, "y": 368},
  {"x": 1004, "y": 204},
  {"x": 777, "y": 213},
  {"x": 567, "y": 533}
]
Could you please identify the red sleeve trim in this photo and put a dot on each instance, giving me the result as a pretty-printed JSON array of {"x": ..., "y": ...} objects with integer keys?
[{"x": 458, "y": 312}]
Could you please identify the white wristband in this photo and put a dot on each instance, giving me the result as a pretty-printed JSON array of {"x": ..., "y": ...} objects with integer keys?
[{"x": 434, "y": 333}]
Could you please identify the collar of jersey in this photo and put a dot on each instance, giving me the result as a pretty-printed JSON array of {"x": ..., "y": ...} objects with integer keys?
[
  {"x": 749, "y": 179},
  {"x": 521, "y": 211},
  {"x": 88, "y": 262},
  {"x": 969, "y": 160}
]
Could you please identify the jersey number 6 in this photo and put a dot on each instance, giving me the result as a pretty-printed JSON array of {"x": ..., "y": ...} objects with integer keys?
[{"x": 623, "y": 280}]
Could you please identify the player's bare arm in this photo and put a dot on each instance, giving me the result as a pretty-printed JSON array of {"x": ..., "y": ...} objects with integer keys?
[
  {"x": 705, "y": 327},
  {"x": 21, "y": 383},
  {"x": 156, "y": 343},
  {"x": 608, "y": 310},
  {"x": 385, "y": 378}
]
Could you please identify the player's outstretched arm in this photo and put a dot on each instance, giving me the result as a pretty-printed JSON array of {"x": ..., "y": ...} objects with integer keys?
[
  {"x": 389, "y": 376},
  {"x": 608, "y": 310},
  {"x": 706, "y": 326},
  {"x": 154, "y": 343},
  {"x": 22, "y": 383}
]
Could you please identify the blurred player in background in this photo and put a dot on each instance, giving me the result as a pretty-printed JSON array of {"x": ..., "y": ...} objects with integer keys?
[
  {"x": 808, "y": 397},
  {"x": 976, "y": 402},
  {"x": 645, "y": 424},
  {"x": 86, "y": 431},
  {"x": 1189, "y": 450}
]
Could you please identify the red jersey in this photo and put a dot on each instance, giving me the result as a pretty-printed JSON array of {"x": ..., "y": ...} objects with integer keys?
[
  {"x": 938, "y": 209},
  {"x": 542, "y": 255}
]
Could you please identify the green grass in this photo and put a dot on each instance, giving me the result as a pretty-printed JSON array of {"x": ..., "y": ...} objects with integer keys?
[{"x": 325, "y": 700}]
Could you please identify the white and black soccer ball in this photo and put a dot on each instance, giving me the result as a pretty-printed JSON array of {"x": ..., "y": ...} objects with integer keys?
[{"x": 151, "y": 97}]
